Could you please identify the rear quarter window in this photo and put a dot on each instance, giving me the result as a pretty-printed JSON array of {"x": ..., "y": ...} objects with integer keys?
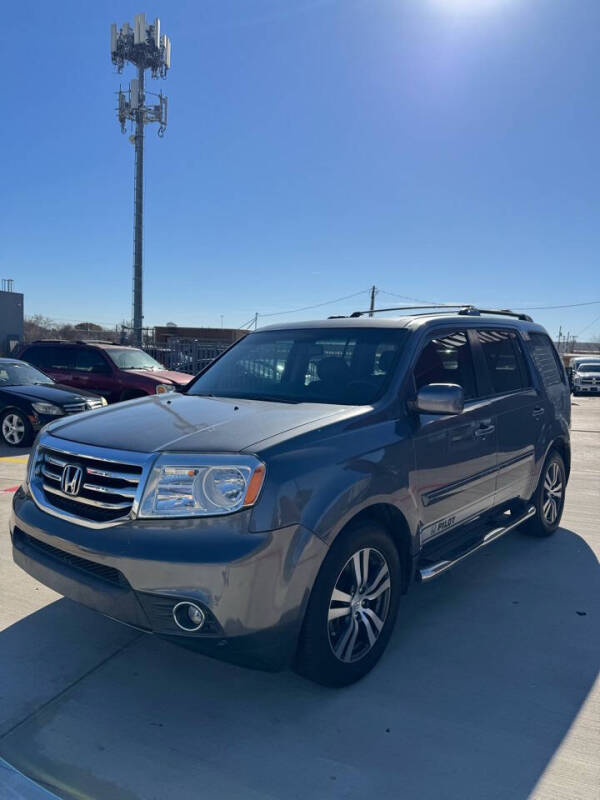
[{"x": 545, "y": 358}]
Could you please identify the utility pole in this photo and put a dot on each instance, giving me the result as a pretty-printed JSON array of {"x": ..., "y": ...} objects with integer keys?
[
  {"x": 372, "y": 306},
  {"x": 559, "y": 338},
  {"x": 146, "y": 48}
]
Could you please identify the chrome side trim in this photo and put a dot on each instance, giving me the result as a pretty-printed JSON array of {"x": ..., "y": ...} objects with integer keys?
[{"x": 427, "y": 573}]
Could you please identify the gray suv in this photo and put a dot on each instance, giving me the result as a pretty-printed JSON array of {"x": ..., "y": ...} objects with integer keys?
[{"x": 275, "y": 511}]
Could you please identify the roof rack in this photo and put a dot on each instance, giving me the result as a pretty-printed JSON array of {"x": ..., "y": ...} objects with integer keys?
[
  {"x": 93, "y": 341},
  {"x": 462, "y": 310}
]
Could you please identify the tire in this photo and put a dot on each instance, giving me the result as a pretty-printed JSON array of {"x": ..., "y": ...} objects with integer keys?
[
  {"x": 549, "y": 497},
  {"x": 15, "y": 429},
  {"x": 354, "y": 633}
]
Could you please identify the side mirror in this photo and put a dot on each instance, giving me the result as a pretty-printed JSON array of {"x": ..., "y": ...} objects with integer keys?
[{"x": 440, "y": 398}]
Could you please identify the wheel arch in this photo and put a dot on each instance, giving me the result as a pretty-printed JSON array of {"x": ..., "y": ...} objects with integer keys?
[
  {"x": 393, "y": 520},
  {"x": 563, "y": 446}
]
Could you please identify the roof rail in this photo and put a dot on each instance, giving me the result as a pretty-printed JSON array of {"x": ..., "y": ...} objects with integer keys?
[
  {"x": 462, "y": 309},
  {"x": 503, "y": 312},
  {"x": 45, "y": 341},
  {"x": 93, "y": 341}
]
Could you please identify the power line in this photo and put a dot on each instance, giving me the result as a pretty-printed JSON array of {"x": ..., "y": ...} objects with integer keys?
[
  {"x": 568, "y": 305},
  {"x": 405, "y": 297},
  {"x": 587, "y": 327},
  {"x": 307, "y": 308}
]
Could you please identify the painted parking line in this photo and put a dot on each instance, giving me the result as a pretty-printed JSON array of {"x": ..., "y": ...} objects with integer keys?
[
  {"x": 10, "y": 489},
  {"x": 14, "y": 459},
  {"x": 16, "y": 786}
]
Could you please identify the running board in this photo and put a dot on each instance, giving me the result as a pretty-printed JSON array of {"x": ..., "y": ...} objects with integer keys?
[{"x": 433, "y": 570}]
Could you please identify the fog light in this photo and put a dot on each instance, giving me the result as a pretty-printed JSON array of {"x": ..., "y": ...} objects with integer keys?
[{"x": 188, "y": 616}]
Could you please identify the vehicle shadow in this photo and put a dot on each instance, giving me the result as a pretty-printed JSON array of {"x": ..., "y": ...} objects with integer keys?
[
  {"x": 485, "y": 673},
  {"x": 8, "y": 452}
]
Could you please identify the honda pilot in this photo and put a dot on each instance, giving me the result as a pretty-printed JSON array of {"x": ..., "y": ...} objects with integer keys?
[{"x": 275, "y": 511}]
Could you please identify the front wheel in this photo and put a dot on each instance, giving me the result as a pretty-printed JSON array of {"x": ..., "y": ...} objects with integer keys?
[
  {"x": 15, "y": 429},
  {"x": 352, "y": 609},
  {"x": 549, "y": 497}
]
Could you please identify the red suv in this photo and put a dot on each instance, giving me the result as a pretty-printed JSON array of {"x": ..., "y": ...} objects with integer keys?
[{"x": 115, "y": 371}]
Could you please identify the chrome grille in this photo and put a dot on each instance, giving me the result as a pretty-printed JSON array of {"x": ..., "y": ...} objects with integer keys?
[
  {"x": 108, "y": 488},
  {"x": 83, "y": 405}
]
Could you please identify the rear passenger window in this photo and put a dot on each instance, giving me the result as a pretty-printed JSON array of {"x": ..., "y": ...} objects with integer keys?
[
  {"x": 505, "y": 361},
  {"x": 447, "y": 360},
  {"x": 90, "y": 361},
  {"x": 545, "y": 359},
  {"x": 36, "y": 356}
]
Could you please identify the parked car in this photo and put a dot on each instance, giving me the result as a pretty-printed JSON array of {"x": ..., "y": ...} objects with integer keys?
[
  {"x": 586, "y": 377},
  {"x": 276, "y": 516},
  {"x": 116, "y": 371},
  {"x": 29, "y": 400}
]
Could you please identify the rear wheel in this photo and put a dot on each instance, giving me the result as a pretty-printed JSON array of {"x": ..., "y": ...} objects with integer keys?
[
  {"x": 549, "y": 497},
  {"x": 352, "y": 609},
  {"x": 15, "y": 429}
]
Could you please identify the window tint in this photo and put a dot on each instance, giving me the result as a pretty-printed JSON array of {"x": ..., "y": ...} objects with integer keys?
[
  {"x": 90, "y": 361},
  {"x": 316, "y": 365},
  {"x": 60, "y": 358},
  {"x": 35, "y": 355},
  {"x": 447, "y": 360},
  {"x": 504, "y": 357},
  {"x": 545, "y": 359}
]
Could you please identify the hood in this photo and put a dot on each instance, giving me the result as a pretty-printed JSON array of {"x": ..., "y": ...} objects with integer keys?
[
  {"x": 163, "y": 375},
  {"x": 51, "y": 393},
  {"x": 187, "y": 423}
]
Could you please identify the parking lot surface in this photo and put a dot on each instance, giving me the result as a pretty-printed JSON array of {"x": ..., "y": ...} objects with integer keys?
[{"x": 489, "y": 688}]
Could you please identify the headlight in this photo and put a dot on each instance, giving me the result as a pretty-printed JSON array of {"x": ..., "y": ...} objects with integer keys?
[
  {"x": 49, "y": 409},
  {"x": 201, "y": 486},
  {"x": 30, "y": 465},
  {"x": 104, "y": 401},
  {"x": 165, "y": 387}
]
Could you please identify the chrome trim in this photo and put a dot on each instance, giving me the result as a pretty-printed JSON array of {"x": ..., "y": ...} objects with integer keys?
[
  {"x": 144, "y": 461},
  {"x": 188, "y": 604},
  {"x": 94, "y": 487},
  {"x": 85, "y": 501},
  {"x": 120, "y": 476},
  {"x": 427, "y": 573}
]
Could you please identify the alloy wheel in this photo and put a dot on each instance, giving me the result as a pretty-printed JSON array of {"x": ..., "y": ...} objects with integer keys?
[
  {"x": 359, "y": 605},
  {"x": 552, "y": 493},
  {"x": 13, "y": 429}
]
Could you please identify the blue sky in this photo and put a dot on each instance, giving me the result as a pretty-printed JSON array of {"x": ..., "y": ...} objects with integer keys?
[{"x": 446, "y": 150}]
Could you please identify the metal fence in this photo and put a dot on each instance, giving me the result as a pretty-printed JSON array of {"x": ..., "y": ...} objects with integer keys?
[{"x": 187, "y": 355}]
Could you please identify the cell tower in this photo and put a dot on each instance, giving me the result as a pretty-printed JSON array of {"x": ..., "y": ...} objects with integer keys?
[{"x": 146, "y": 48}]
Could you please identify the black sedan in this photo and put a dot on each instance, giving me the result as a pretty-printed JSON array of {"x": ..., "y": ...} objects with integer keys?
[{"x": 29, "y": 399}]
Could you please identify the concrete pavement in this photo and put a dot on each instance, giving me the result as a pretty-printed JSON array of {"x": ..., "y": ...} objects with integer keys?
[{"x": 489, "y": 688}]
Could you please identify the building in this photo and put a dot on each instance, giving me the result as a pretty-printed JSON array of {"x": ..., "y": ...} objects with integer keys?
[{"x": 11, "y": 318}]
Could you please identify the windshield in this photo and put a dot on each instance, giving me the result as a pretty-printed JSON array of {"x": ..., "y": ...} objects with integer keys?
[
  {"x": 589, "y": 368},
  {"x": 14, "y": 373},
  {"x": 131, "y": 358},
  {"x": 321, "y": 365}
]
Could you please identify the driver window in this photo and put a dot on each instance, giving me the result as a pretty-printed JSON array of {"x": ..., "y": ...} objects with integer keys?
[{"x": 447, "y": 359}]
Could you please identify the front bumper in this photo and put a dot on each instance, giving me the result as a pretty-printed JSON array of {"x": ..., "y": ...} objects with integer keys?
[{"x": 253, "y": 586}]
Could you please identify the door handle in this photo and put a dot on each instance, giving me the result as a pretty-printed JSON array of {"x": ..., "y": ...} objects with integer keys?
[
  {"x": 484, "y": 430},
  {"x": 537, "y": 412}
]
